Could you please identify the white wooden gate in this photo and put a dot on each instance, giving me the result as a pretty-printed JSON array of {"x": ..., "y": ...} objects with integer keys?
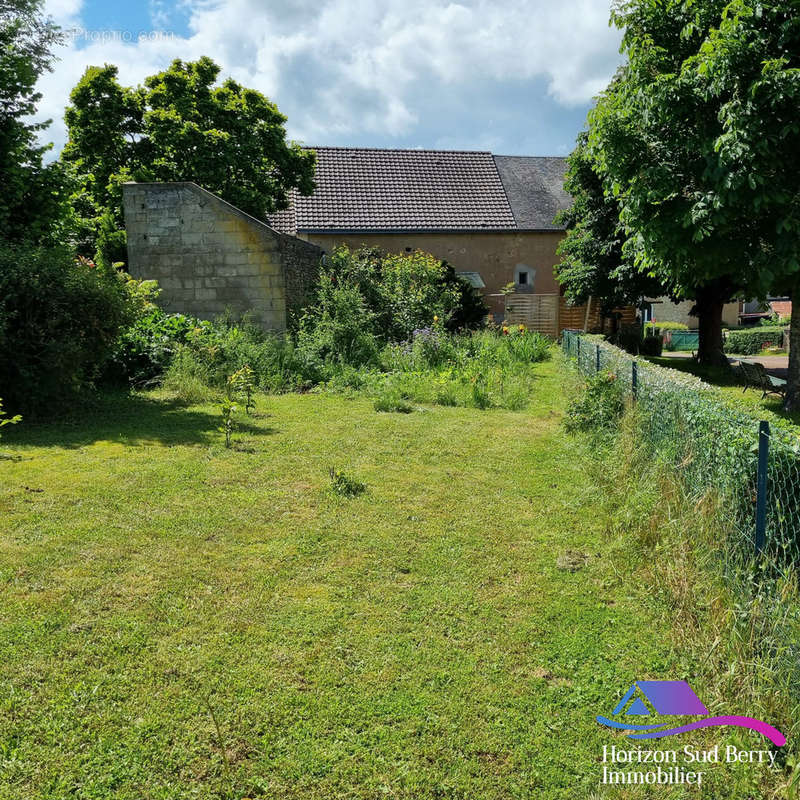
[{"x": 538, "y": 312}]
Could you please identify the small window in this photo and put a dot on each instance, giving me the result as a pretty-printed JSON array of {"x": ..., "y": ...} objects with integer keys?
[{"x": 524, "y": 278}]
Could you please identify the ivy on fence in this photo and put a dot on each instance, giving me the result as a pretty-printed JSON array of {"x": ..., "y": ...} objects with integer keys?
[{"x": 715, "y": 447}]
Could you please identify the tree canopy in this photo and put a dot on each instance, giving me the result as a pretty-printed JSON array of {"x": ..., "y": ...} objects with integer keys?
[
  {"x": 31, "y": 200},
  {"x": 674, "y": 139},
  {"x": 750, "y": 69},
  {"x": 179, "y": 126},
  {"x": 593, "y": 262}
]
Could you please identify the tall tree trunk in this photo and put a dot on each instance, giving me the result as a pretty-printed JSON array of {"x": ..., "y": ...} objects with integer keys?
[
  {"x": 710, "y": 301},
  {"x": 792, "y": 401}
]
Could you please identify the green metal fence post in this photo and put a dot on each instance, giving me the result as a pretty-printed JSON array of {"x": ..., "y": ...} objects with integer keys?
[
  {"x": 634, "y": 378},
  {"x": 579, "y": 352},
  {"x": 761, "y": 490},
  {"x": 597, "y": 358}
]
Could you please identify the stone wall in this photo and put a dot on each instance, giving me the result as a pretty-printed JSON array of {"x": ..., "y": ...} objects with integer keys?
[
  {"x": 667, "y": 311},
  {"x": 208, "y": 255},
  {"x": 300, "y": 260}
]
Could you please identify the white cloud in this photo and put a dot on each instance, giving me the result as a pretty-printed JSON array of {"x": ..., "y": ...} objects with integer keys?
[{"x": 339, "y": 67}]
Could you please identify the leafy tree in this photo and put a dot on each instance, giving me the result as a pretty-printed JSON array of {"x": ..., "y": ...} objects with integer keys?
[
  {"x": 593, "y": 264},
  {"x": 31, "y": 199},
  {"x": 749, "y": 68},
  {"x": 654, "y": 136},
  {"x": 179, "y": 126}
]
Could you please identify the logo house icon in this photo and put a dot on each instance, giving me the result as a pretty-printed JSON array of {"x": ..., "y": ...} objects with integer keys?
[{"x": 674, "y": 698}]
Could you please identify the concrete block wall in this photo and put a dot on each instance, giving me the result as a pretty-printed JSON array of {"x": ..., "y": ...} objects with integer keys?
[{"x": 208, "y": 255}]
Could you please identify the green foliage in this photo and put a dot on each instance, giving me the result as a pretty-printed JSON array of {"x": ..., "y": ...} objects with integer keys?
[
  {"x": 593, "y": 263},
  {"x": 598, "y": 407},
  {"x": 31, "y": 201},
  {"x": 651, "y": 346},
  {"x": 776, "y": 320},
  {"x": 339, "y": 328},
  {"x": 365, "y": 298},
  {"x": 390, "y": 399},
  {"x": 715, "y": 446},
  {"x": 480, "y": 369},
  {"x": 242, "y": 382},
  {"x": 338, "y": 346},
  {"x": 5, "y": 419},
  {"x": 178, "y": 126},
  {"x": 59, "y": 321},
  {"x": 215, "y": 350},
  {"x": 754, "y": 340},
  {"x": 665, "y": 326},
  {"x": 187, "y": 379},
  {"x": 696, "y": 138},
  {"x": 144, "y": 351},
  {"x": 417, "y": 289},
  {"x": 228, "y": 410},
  {"x": 404, "y": 292},
  {"x": 344, "y": 485},
  {"x": 655, "y": 137}
]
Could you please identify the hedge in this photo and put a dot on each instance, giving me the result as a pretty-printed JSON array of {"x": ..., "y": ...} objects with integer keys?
[
  {"x": 753, "y": 341},
  {"x": 666, "y": 326}
]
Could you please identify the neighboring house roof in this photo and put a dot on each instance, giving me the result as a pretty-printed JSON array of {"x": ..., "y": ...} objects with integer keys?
[
  {"x": 371, "y": 189},
  {"x": 535, "y": 189}
]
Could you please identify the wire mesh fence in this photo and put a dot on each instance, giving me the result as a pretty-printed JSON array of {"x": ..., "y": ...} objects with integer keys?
[{"x": 714, "y": 446}]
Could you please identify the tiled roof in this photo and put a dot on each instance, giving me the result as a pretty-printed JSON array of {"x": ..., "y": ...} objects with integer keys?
[
  {"x": 362, "y": 189},
  {"x": 535, "y": 189}
]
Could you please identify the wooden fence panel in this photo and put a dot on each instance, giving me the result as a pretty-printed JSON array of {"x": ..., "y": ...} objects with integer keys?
[{"x": 538, "y": 312}]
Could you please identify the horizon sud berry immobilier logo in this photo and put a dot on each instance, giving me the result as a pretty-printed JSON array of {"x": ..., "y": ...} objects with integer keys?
[{"x": 674, "y": 699}]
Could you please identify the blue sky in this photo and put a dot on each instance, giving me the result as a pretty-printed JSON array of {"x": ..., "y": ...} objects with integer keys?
[{"x": 513, "y": 77}]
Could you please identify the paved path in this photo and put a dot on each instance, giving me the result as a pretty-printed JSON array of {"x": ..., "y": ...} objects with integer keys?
[{"x": 774, "y": 365}]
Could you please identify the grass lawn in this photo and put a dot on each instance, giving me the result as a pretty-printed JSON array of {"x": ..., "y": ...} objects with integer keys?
[
  {"x": 731, "y": 388},
  {"x": 185, "y": 621}
]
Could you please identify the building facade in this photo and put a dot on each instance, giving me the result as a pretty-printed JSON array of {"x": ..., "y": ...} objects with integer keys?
[{"x": 491, "y": 217}]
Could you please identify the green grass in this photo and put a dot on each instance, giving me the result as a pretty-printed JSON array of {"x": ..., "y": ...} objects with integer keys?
[
  {"x": 184, "y": 621},
  {"x": 731, "y": 389}
]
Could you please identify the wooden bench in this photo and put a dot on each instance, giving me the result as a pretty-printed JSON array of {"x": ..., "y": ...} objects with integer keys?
[{"x": 756, "y": 376}]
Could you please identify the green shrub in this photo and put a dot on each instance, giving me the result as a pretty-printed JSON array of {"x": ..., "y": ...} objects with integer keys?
[
  {"x": 5, "y": 419},
  {"x": 400, "y": 293},
  {"x": 776, "y": 320},
  {"x": 59, "y": 321},
  {"x": 599, "y": 406},
  {"x": 144, "y": 350},
  {"x": 651, "y": 346},
  {"x": 188, "y": 379},
  {"x": 343, "y": 485},
  {"x": 665, "y": 326},
  {"x": 339, "y": 328},
  {"x": 752, "y": 341}
]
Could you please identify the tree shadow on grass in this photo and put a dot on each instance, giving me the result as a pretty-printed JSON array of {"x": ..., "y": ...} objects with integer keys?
[{"x": 130, "y": 419}]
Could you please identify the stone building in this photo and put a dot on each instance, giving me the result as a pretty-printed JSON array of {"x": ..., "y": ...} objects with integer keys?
[
  {"x": 209, "y": 256},
  {"x": 491, "y": 217}
]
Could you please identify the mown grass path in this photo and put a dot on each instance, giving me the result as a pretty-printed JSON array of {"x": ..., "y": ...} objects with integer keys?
[{"x": 417, "y": 641}]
